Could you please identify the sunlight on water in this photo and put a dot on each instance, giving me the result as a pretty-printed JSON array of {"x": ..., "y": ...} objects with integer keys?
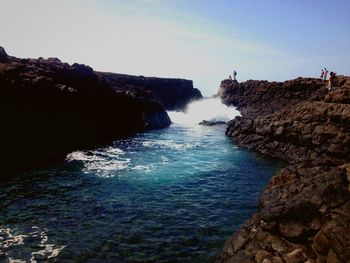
[
  {"x": 35, "y": 239},
  {"x": 177, "y": 148},
  {"x": 168, "y": 195},
  {"x": 211, "y": 109}
]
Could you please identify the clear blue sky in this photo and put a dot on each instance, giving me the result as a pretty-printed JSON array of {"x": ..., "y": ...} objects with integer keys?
[{"x": 200, "y": 40}]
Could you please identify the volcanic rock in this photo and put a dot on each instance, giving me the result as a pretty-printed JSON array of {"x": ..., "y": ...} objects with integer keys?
[
  {"x": 304, "y": 211},
  {"x": 49, "y": 108},
  {"x": 175, "y": 94},
  {"x": 211, "y": 123},
  {"x": 3, "y": 55}
]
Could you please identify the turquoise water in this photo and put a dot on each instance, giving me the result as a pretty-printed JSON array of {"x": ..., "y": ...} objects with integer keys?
[{"x": 171, "y": 195}]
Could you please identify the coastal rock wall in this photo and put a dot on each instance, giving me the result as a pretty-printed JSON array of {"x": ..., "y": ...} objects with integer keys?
[
  {"x": 309, "y": 131},
  {"x": 49, "y": 108},
  {"x": 175, "y": 94},
  {"x": 304, "y": 213},
  {"x": 254, "y": 98}
]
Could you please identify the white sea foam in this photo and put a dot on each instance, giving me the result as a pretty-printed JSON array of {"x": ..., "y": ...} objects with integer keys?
[
  {"x": 168, "y": 144},
  {"x": 44, "y": 250},
  {"x": 210, "y": 109},
  {"x": 83, "y": 156},
  {"x": 108, "y": 165},
  {"x": 103, "y": 160},
  {"x": 143, "y": 168}
]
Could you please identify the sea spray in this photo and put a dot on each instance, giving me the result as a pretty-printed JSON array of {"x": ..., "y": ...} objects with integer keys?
[{"x": 209, "y": 109}]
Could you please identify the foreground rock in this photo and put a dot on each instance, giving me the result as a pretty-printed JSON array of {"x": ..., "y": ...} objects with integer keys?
[
  {"x": 49, "y": 108},
  {"x": 175, "y": 94},
  {"x": 304, "y": 213}
]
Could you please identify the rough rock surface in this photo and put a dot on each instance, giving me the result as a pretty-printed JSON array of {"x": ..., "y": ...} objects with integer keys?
[
  {"x": 254, "y": 98},
  {"x": 49, "y": 108},
  {"x": 3, "y": 55},
  {"x": 211, "y": 123},
  {"x": 304, "y": 213},
  {"x": 175, "y": 94}
]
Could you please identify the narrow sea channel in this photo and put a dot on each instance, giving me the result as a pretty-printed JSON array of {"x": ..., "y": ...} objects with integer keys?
[{"x": 170, "y": 195}]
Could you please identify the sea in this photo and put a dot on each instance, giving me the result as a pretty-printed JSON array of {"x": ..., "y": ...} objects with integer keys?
[{"x": 168, "y": 195}]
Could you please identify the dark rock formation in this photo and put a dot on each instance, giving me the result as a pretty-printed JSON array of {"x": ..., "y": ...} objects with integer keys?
[
  {"x": 49, "y": 108},
  {"x": 3, "y": 55},
  {"x": 211, "y": 123},
  {"x": 175, "y": 94},
  {"x": 304, "y": 213},
  {"x": 255, "y": 98}
]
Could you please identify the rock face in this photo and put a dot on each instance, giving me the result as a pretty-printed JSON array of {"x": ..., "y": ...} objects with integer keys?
[
  {"x": 49, "y": 108},
  {"x": 254, "y": 98},
  {"x": 3, "y": 55},
  {"x": 304, "y": 213},
  {"x": 211, "y": 123},
  {"x": 175, "y": 94}
]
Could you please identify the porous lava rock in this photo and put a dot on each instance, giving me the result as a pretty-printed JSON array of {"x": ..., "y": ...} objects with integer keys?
[
  {"x": 3, "y": 55},
  {"x": 304, "y": 212},
  {"x": 49, "y": 108}
]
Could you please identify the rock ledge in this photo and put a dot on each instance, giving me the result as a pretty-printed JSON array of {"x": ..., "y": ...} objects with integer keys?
[
  {"x": 304, "y": 213},
  {"x": 49, "y": 108}
]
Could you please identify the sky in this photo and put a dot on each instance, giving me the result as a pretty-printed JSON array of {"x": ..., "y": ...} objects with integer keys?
[{"x": 202, "y": 40}]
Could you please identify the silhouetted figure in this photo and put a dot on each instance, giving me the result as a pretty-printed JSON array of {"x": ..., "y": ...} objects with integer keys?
[
  {"x": 331, "y": 80},
  {"x": 234, "y": 75},
  {"x": 322, "y": 74},
  {"x": 325, "y": 73}
]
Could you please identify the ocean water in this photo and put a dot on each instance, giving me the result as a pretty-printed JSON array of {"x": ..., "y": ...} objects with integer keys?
[{"x": 170, "y": 195}]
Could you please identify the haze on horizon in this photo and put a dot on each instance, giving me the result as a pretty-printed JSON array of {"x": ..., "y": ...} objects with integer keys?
[{"x": 199, "y": 40}]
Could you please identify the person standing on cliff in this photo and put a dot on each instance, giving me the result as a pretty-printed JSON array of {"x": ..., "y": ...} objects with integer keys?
[
  {"x": 234, "y": 74},
  {"x": 325, "y": 72},
  {"x": 331, "y": 80},
  {"x": 322, "y": 74}
]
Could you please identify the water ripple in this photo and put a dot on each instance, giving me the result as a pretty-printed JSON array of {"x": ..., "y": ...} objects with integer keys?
[{"x": 172, "y": 195}]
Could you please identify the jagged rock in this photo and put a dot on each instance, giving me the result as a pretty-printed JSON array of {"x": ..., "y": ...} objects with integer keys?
[
  {"x": 211, "y": 123},
  {"x": 175, "y": 94},
  {"x": 304, "y": 213},
  {"x": 49, "y": 108},
  {"x": 82, "y": 69},
  {"x": 3, "y": 55},
  {"x": 255, "y": 98}
]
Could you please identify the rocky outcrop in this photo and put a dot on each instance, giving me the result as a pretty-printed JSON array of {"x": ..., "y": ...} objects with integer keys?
[
  {"x": 212, "y": 123},
  {"x": 175, "y": 94},
  {"x": 49, "y": 108},
  {"x": 254, "y": 98},
  {"x": 304, "y": 213},
  {"x": 3, "y": 55}
]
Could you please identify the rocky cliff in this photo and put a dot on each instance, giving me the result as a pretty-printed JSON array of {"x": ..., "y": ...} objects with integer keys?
[
  {"x": 175, "y": 94},
  {"x": 304, "y": 213},
  {"x": 49, "y": 108}
]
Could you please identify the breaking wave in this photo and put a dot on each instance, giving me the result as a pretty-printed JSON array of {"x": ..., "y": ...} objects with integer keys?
[{"x": 210, "y": 109}]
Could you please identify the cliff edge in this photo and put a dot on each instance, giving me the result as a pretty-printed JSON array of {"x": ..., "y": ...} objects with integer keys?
[
  {"x": 175, "y": 94},
  {"x": 304, "y": 213},
  {"x": 49, "y": 108}
]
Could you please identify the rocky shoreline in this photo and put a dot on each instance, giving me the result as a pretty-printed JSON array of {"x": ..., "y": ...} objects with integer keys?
[
  {"x": 49, "y": 108},
  {"x": 304, "y": 212}
]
